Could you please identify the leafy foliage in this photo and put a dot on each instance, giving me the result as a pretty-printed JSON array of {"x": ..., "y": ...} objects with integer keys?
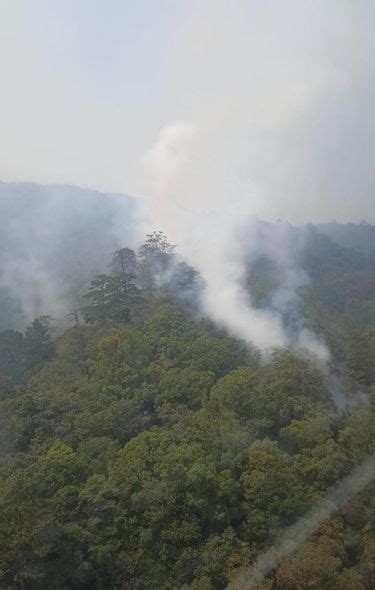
[{"x": 148, "y": 450}]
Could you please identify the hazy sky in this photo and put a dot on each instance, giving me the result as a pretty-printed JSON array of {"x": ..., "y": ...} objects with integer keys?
[{"x": 280, "y": 96}]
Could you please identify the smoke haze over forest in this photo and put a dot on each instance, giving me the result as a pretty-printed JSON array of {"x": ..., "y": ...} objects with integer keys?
[
  {"x": 187, "y": 279},
  {"x": 262, "y": 111}
]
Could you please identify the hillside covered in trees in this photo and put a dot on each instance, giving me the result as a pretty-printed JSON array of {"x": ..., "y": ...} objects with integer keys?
[{"x": 143, "y": 447}]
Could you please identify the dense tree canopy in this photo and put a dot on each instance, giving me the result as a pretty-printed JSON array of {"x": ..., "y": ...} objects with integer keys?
[{"x": 147, "y": 449}]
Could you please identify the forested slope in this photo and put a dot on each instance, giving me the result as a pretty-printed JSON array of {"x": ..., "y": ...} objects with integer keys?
[{"x": 145, "y": 448}]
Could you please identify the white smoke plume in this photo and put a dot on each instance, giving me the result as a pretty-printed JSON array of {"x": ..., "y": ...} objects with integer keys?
[
  {"x": 269, "y": 92},
  {"x": 356, "y": 481},
  {"x": 267, "y": 107},
  {"x": 218, "y": 235}
]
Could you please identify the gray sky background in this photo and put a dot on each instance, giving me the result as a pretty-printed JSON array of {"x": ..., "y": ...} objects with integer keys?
[{"x": 262, "y": 104}]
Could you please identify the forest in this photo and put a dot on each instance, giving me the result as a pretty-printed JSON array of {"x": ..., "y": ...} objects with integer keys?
[{"x": 144, "y": 447}]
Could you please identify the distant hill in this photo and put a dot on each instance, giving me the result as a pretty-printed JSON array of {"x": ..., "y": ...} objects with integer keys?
[
  {"x": 360, "y": 236},
  {"x": 53, "y": 240}
]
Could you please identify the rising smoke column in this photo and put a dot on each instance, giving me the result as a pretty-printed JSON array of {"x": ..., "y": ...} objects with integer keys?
[
  {"x": 273, "y": 106},
  {"x": 216, "y": 231}
]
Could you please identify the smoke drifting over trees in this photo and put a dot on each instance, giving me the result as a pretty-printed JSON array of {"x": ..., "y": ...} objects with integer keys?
[
  {"x": 188, "y": 372},
  {"x": 53, "y": 240}
]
